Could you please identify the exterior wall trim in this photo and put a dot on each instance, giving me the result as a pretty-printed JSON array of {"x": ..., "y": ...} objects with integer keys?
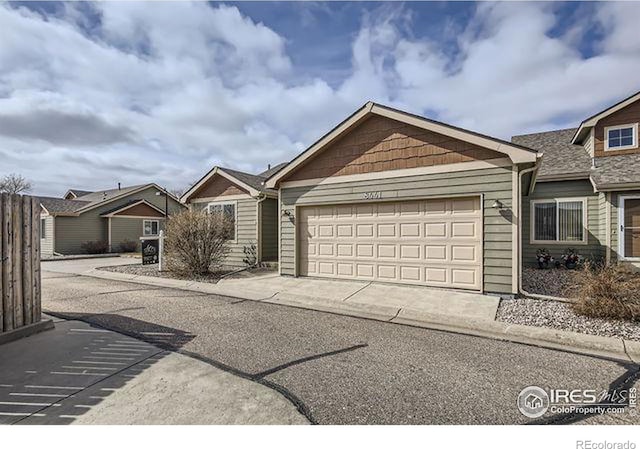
[
  {"x": 515, "y": 254},
  {"x": 446, "y": 168},
  {"x": 516, "y": 153},
  {"x": 129, "y": 206},
  {"x": 634, "y": 136},
  {"x": 296, "y": 210},
  {"x": 211, "y": 199},
  {"x": 585, "y": 222},
  {"x": 235, "y": 211},
  {"x": 621, "y": 200},
  {"x": 593, "y": 120},
  {"x": 217, "y": 171},
  {"x": 607, "y": 231}
]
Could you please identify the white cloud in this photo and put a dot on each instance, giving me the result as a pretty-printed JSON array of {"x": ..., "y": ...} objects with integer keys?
[{"x": 162, "y": 91}]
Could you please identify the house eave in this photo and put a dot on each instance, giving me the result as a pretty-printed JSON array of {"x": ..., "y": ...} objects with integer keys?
[{"x": 516, "y": 153}]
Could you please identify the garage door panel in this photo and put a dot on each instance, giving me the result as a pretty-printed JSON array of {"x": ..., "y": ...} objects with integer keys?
[
  {"x": 387, "y": 272},
  {"x": 429, "y": 242},
  {"x": 386, "y": 251},
  {"x": 345, "y": 250},
  {"x": 435, "y": 230},
  {"x": 344, "y": 230}
]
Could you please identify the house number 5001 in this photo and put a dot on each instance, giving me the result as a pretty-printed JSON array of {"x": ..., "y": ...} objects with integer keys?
[{"x": 372, "y": 195}]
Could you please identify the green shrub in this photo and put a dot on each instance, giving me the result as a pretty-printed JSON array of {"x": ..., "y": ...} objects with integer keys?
[
  {"x": 95, "y": 247},
  {"x": 608, "y": 292}
]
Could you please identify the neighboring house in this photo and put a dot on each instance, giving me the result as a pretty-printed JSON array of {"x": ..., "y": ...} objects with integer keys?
[
  {"x": 251, "y": 206},
  {"x": 394, "y": 197},
  {"x": 112, "y": 216},
  {"x": 587, "y": 191}
]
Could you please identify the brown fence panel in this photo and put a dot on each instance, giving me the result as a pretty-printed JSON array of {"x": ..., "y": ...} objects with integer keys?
[{"x": 20, "y": 291}]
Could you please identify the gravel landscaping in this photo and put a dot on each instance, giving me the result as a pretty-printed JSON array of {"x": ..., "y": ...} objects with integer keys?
[
  {"x": 213, "y": 278},
  {"x": 152, "y": 270},
  {"x": 549, "y": 282},
  {"x": 558, "y": 315}
]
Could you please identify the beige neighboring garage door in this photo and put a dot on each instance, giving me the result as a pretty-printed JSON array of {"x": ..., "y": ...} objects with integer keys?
[{"x": 430, "y": 242}]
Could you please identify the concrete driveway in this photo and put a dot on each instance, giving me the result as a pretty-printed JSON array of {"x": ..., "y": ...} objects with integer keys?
[
  {"x": 343, "y": 370},
  {"x": 387, "y": 298}
]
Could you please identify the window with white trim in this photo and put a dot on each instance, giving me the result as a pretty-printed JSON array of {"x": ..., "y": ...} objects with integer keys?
[
  {"x": 621, "y": 137},
  {"x": 150, "y": 227},
  {"x": 558, "y": 220},
  {"x": 227, "y": 210}
]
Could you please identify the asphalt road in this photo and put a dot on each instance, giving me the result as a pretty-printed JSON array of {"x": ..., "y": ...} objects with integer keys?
[{"x": 339, "y": 370}]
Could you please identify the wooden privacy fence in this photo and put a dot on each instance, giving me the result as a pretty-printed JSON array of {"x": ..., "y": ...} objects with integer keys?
[{"x": 20, "y": 261}]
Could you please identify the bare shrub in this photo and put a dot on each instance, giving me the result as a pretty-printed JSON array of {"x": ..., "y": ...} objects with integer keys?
[
  {"x": 196, "y": 243},
  {"x": 128, "y": 246},
  {"x": 95, "y": 247},
  {"x": 608, "y": 292}
]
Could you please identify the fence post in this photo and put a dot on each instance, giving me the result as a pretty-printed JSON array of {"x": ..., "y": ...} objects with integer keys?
[
  {"x": 18, "y": 318},
  {"x": 7, "y": 257},
  {"x": 27, "y": 260}
]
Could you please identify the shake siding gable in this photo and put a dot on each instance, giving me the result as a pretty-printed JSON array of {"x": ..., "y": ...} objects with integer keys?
[
  {"x": 493, "y": 183},
  {"x": 628, "y": 115},
  {"x": 380, "y": 144}
]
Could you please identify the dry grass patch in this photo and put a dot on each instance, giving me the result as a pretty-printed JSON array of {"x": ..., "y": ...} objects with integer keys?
[{"x": 608, "y": 292}]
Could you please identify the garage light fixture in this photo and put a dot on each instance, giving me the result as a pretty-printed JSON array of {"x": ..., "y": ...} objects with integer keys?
[{"x": 497, "y": 204}]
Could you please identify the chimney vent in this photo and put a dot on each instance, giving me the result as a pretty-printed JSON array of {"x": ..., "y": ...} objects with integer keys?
[
  {"x": 268, "y": 166},
  {"x": 119, "y": 186}
]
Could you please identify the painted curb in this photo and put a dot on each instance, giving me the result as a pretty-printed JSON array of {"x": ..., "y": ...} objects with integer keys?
[{"x": 587, "y": 344}]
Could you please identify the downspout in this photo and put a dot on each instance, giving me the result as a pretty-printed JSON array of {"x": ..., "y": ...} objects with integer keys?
[{"x": 520, "y": 288}]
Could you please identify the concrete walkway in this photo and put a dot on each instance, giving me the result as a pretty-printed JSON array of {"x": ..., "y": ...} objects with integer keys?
[
  {"x": 79, "y": 374},
  {"x": 451, "y": 311}
]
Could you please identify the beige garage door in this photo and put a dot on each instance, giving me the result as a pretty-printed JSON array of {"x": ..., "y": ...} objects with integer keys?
[{"x": 428, "y": 242}]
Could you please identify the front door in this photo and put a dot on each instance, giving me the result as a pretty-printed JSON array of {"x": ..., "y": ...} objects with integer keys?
[{"x": 631, "y": 228}]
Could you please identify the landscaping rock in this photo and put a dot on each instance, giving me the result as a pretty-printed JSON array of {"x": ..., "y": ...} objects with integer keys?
[
  {"x": 152, "y": 270},
  {"x": 558, "y": 315},
  {"x": 549, "y": 282}
]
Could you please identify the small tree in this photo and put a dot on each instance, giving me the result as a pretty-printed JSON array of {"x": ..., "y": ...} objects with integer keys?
[
  {"x": 196, "y": 243},
  {"x": 14, "y": 184}
]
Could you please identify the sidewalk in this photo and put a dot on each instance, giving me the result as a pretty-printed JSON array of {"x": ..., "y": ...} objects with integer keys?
[
  {"x": 79, "y": 374},
  {"x": 452, "y": 311}
]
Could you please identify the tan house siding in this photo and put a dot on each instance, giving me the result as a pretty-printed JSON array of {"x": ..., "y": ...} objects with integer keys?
[
  {"x": 269, "y": 225},
  {"x": 141, "y": 210},
  {"x": 217, "y": 186},
  {"x": 494, "y": 183},
  {"x": 246, "y": 228},
  {"x": 627, "y": 115},
  {"x": 595, "y": 247},
  {"x": 46, "y": 244},
  {"x": 380, "y": 144}
]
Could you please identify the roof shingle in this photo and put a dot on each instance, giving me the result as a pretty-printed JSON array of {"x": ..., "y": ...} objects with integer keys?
[{"x": 560, "y": 156}]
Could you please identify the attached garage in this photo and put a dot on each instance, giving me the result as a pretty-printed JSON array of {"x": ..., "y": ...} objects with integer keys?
[
  {"x": 436, "y": 242},
  {"x": 387, "y": 196}
]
